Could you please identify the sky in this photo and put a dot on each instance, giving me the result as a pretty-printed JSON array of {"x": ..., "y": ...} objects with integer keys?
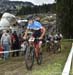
[{"x": 38, "y": 2}]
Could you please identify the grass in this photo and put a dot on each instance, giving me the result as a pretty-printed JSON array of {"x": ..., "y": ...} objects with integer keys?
[
  {"x": 56, "y": 62},
  {"x": 53, "y": 64}
]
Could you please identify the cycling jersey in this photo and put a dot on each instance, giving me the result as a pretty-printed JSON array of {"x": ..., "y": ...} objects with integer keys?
[
  {"x": 36, "y": 28},
  {"x": 35, "y": 25},
  {"x": 58, "y": 37},
  {"x": 50, "y": 37}
]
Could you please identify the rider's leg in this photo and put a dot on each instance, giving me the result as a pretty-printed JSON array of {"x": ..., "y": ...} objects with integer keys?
[
  {"x": 36, "y": 49},
  {"x": 39, "y": 45},
  {"x": 59, "y": 46}
]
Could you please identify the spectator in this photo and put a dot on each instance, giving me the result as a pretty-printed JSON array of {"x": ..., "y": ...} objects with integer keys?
[
  {"x": 20, "y": 39},
  {"x": 5, "y": 42},
  {"x": 15, "y": 44},
  {"x": 1, "y": 50}
]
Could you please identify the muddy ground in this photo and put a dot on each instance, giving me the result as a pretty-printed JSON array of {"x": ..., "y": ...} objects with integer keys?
[{"x": 16, "y": 65}]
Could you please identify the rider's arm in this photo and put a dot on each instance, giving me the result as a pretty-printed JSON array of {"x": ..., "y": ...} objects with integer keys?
[
  {"x": 26, "y": 32},
  {"x": 43, "y": 32}
]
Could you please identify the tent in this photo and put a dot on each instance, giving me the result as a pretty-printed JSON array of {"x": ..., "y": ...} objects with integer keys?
[{"x": 7, "y": 20}]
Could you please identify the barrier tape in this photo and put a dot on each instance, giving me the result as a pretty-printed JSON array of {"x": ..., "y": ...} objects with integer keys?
[
  {"x": 66, "y": 70},
  {"x": 11, "y": 51}
]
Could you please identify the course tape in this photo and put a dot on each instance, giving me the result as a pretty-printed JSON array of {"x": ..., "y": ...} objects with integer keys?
[{"x": 11, "y": 51}]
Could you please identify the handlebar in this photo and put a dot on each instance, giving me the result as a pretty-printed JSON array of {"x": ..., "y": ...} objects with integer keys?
[{"x": 35, "y": 39}]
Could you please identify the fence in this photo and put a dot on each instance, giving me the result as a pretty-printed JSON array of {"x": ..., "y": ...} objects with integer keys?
[{"x": 67, "y": 67}]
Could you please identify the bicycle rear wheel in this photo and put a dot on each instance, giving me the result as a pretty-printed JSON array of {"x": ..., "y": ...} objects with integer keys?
[{"x": 39, "y": 59}]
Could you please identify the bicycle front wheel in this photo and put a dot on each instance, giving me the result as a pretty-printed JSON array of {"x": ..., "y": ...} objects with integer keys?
[{"x": 29, "y": 58}]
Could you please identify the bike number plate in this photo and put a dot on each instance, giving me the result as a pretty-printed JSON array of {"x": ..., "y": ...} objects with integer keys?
[{"x": 31, "y": 39}]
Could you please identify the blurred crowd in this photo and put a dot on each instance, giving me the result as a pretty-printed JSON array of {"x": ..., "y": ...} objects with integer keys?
[{"x": 10, "y": 41}]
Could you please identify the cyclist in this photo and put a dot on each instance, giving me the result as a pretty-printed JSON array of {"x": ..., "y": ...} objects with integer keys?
[
  {"x": 57, "y": 39},
  {"x": 38, "y": 32},
  {"x": 49, "y": 41}
]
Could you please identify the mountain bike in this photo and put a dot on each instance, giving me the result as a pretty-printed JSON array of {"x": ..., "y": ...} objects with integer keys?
[{"x": 31, "y": 53}]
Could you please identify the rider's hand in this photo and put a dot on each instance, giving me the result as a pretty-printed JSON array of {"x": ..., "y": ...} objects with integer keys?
[
  {"x": 24, "y": 37},
  {"x": 40, "y": 38}
]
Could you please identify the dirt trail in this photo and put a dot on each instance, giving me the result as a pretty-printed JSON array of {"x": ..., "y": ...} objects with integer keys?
[{"x": 16, "y": 66}]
